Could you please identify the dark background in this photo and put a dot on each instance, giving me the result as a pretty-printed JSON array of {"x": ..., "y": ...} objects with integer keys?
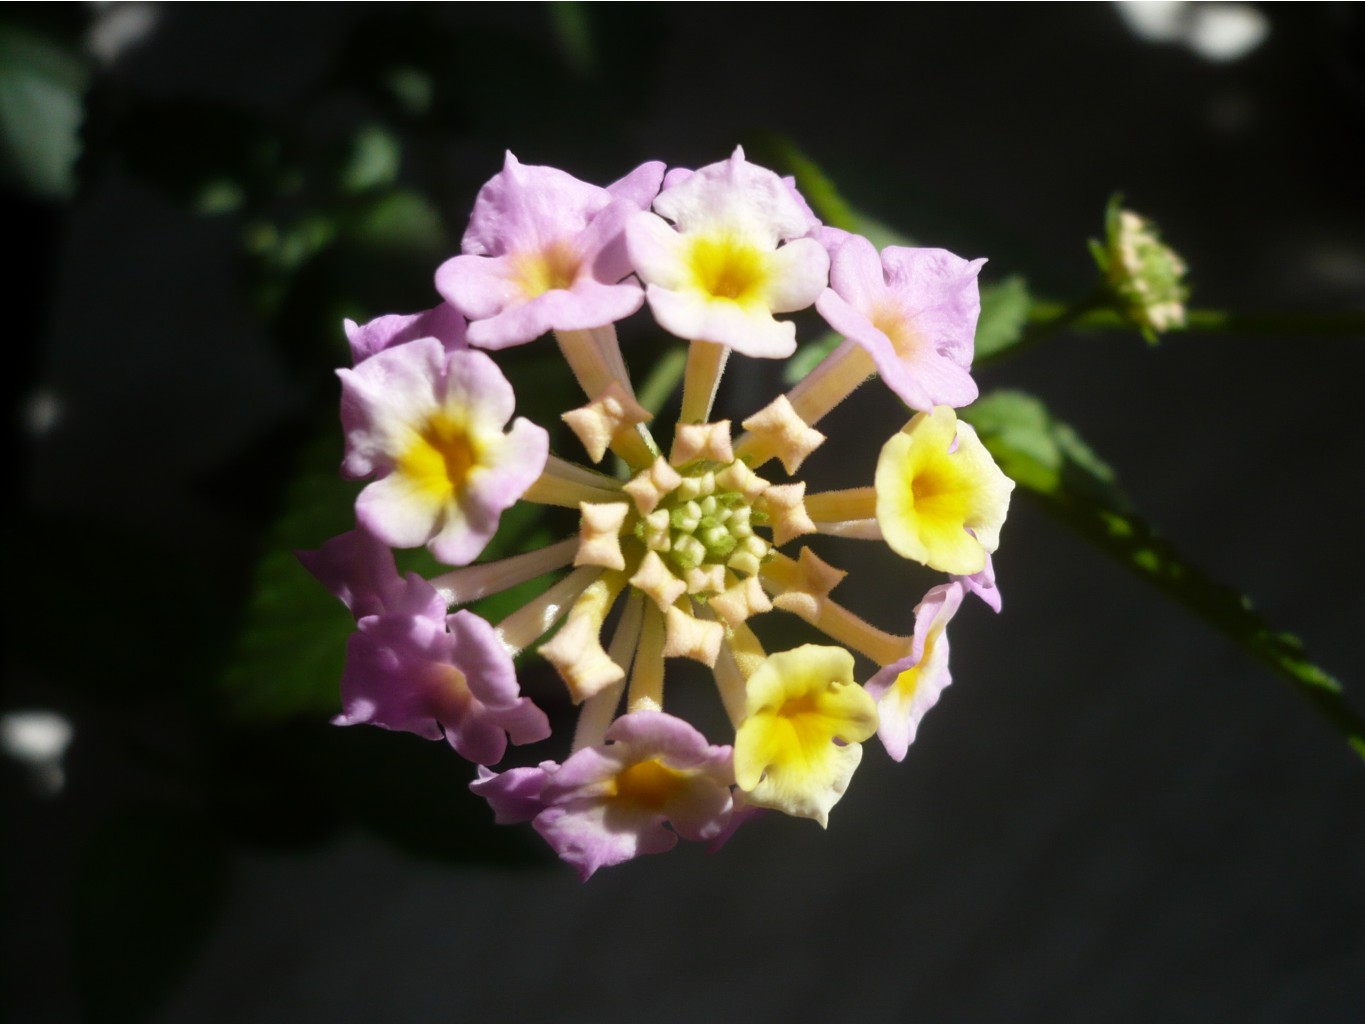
[{"x": 1113, "y": 814}]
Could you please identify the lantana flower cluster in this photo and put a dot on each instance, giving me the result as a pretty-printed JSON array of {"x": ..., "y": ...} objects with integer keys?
[{"x": 693, "y": 536}]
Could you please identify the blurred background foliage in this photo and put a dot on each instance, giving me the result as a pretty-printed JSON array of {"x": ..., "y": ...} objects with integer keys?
[{"x": 156, "y": 597}]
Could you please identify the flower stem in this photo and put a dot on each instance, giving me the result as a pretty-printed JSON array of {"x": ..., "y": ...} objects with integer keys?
[
  {"x": 460, "y": 586},
  {"x": 841, "y": 506},
  {"x": 1096, "y": 313},
  {"x": 836, "y": 377},
  {"x": 533, "y": 620},
  {"x": 599, "y": 710},
  {"x": 566, "y": 485},
  {"x": 705, "y": 364},
  {"x": 647, "y": 674}
]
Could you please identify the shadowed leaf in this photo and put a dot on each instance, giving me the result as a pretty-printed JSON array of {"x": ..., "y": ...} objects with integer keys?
[{"x": 1048, "y": 459}]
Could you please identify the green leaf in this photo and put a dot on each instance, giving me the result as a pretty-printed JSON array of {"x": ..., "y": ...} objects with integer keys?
[
  {"x": 1004, "y": 315},
  {"x": 400, "y": 220},
  {"x": 150, "y": 883},
  {"x": 824, "y": 197},
  {"x": 291, "y": 648},
  {"x": 663, "y": 378},
  {"x": 1048, "y": 459},
  {"x": 292, "y": 645},
  {"x": 573, "y": 33},
  {"x": 808, "y": 356},
  {"x": 42, "y": 90},
  {"x": 374, "y": 160}
]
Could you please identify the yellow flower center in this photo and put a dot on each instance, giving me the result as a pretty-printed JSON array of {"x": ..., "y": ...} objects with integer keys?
[
  {"x": 554, "y": 267},
  {"x": 900, "y": 331},
  {"x": 648, "y": 784},
  {"x": 939, "y": 492},
  {"x": 454, "y": 688},
  {"x": 726, "y": 268},
  {"x": 800, "y": 732},
  {"x": 441, "y": 456}
]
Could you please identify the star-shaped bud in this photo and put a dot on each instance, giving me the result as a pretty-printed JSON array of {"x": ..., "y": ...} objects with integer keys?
[
  {"x": 804, "y": 584},
  {"x": 687, "y": 636},
  {"x": 654, "y": 578},
  {"x": 740, "y": 601},
  {"x": 786, "y": 509},
  {"x": 648, "y": 487},
  {"x": 599, "y": 534},
  {"x": 599, "y": 422},
  {"x": 576, "y": 650},
  {"x": 777, "y": 431},
  {"x": 705, "y": 579},
  {"x": 693, "y": 441},
  {"x": 738, "y": 477},
  {"x": 748, "y": 557}
]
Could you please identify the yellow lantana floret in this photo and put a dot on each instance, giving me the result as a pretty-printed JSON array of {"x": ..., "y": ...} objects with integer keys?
[
  {"x": 799, "y": 742},
  {"x": 930, "y": 494}
]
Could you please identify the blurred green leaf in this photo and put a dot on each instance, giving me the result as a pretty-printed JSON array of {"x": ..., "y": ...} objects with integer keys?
[
  {"x": 663, "y": 378},
  {"x": 291, "y": 648},
  {"x": 150, "y": 883},
  {"x": 824, "y": 197},
  {"x": 573, "y": 31},
  {"x": 400, "y": 220},
  {"x": 222, "y": 158},
  {"x": 808, "y": 356},
  {"x": 1004, "y": 315},
  {"x": 42, "y": 92},
  {"x": 374, "y": 159},
  {"x": 1048, "y": 459},
  {"x": 292, "y": 645}
]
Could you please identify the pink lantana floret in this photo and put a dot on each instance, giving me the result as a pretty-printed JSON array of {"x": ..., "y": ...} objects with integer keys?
[
  {"x": 413, "y": 668},
  {"x": 516, "y": 794},
  {"x": 361, "y": 572},
  {"x": 914, "y": 311},
  {"x": 545, "y": 251},
  {"x": 905, "y": 690},
  {"x": 443, "y": 323},
  {"x": 725, "y": 248},
  {"x": 440, "y": 677},
  {"x": 982, "y": 584},
  {"x": 428, "y": 424},
  {"x": 609, "y": 804}
]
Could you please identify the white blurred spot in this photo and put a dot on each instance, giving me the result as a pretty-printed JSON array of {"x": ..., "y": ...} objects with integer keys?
[
  {"x": 119, "y": 27},
  {"x": 1218, "y": 32},
  {"x": 38, "y": 740},
  {"x": 42, "y": 412},
  {"x": 1153, "y": 21},
  {"x": 1226, "y": 32}
]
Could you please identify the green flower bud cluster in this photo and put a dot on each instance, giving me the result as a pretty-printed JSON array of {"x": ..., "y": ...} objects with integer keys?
[
  {"x": 700, "y": 524},
  {"x": 1146, "y": 276}
]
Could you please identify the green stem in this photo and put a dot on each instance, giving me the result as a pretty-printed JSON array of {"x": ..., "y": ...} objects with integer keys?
[
  {"x": 1090, "y": 317},
  {"x": 1223, "y": 608}
]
